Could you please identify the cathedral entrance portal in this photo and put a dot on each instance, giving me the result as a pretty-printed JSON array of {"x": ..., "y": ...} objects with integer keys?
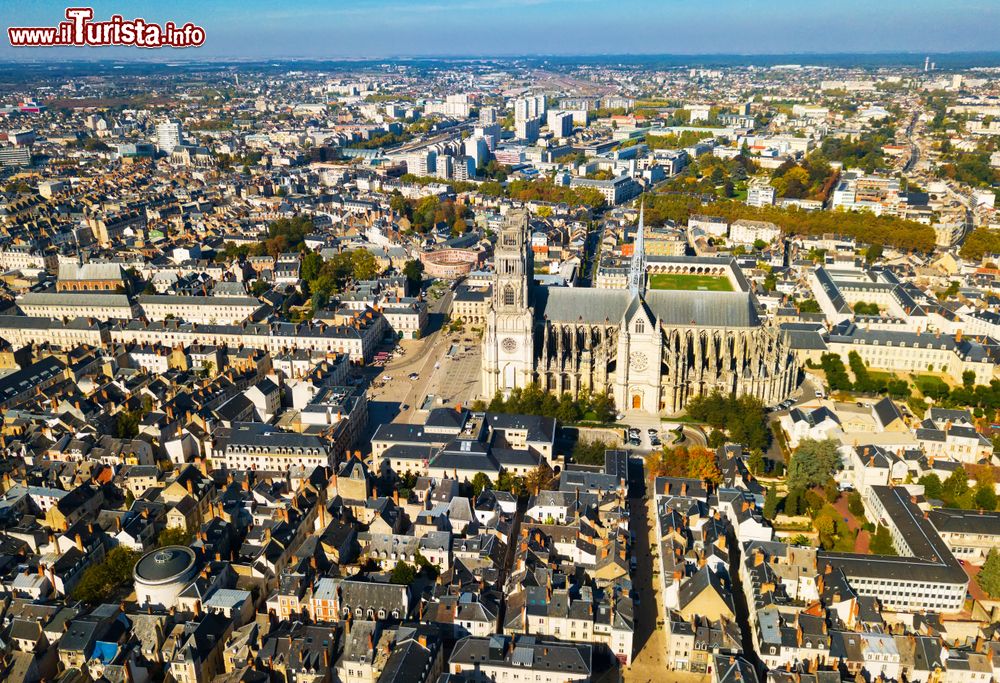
[{"x": 636, "y": 401}]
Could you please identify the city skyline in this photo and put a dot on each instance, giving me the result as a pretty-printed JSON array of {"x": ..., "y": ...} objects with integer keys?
[{"x": 450, "y": 28}]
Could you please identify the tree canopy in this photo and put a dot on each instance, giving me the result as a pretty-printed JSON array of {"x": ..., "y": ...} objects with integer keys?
[{"x": 812, "y": 463}]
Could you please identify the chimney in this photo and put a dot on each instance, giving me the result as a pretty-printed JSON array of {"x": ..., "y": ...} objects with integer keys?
[
  {"x": 79, "y": 543},
  {"x": 197, "y": 608}
]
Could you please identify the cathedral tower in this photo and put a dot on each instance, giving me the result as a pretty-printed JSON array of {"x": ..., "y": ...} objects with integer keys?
[{"x": 508, "y": 342}]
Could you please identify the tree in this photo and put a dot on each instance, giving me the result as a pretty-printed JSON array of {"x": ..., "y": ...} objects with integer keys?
[
  {"x": 701, "y": 464},
  {"x": 414, "y": 272},
  {"x": 426, "y": 566},
  {"x": 480, "y": 482},
  {"x": 771, "y": 502},
  {"x": 537, "y": 479},
  {"x": 812, "y": 463},
  {"x": 854, "y": 504},
  {"x": 881, "y": 543},
  {"x": 402, "y": 574},
  {"x": 793, "y": 502},
  {"x": 668, "y": 462},
  {"x": 589, "y": 452},
  {"x": 127, "y": 424},
  {"x": 932, "y": 485},
  {"x": 568, "y": 410},
  {"x": 989, "y": 576},
  {"x": 985, "y": 497},
  {"x": 955, "y": 487},
  {"x": 873, "y": 253},
  {"x": 311, "y": 265},
  {"x": 831, "y": 489},
  {"x": 741, "y": 418},
  {"x": 363, "y": 264},
  {"x": 173, "y": 535},
  {"x": 100, "y": 581},
  {"x": 755, "y": 462}
]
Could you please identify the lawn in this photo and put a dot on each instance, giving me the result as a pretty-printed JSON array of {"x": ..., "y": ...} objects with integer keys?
[
  {"x": 711, "y": 283},
  {"x": 928, "y": 382}
]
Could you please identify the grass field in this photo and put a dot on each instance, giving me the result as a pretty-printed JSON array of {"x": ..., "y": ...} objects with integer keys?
[{"x": 711, "y": 283}]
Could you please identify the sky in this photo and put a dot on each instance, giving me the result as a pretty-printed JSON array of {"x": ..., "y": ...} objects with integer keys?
[{"x": 399, "y": 28}]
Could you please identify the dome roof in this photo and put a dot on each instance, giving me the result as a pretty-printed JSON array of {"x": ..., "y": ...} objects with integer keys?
[{"x": 165, "y": 564}]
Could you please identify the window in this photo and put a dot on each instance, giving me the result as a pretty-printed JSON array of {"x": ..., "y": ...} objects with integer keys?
[
  {"x": 508, "y": 296},
  {"x": 640, "y": 326}
]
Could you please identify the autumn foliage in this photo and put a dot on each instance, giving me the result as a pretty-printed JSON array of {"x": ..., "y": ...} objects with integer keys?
[{"x": 680, "y": 461}]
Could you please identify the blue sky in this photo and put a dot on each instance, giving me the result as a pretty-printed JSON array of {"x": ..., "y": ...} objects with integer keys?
[{"x": 379, "y": 28}]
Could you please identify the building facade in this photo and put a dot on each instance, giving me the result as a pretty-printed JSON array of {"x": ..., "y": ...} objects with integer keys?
[{"x": 652, "y": 351}]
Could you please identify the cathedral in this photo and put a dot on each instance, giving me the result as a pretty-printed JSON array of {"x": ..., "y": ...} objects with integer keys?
[{"x": 652, "y": 351}]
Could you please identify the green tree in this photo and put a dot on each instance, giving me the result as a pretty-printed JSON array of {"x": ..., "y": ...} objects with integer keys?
[
  {"x": 589, "y": 452},
  {"x": 127, "y": 424},
  {"x": 755, "y": 462},
  {"x": 311, "y": 265},
  {"x": 173, "y": 535},
  {"x": 480, "y": 482},
  {"x": 793, "y": 502},
  {"x": 414, "y": 272},
  {"x": 771, "y": 502},
  {"x": 363, "y": 264},
  {"x": 812, "y": 463},
  {"x": 568, "y": 411},
  {"x": 985, "y": 497},
  {"x": 881, "y": 543},
  {"x": 955, "y": 487},
  {"x": 403, "y": 574},
  {"x": 855, "y": 505},
  {"x": 932, "y": 485},
  {"x": 100, "y": 581},
  {"x": 989, "y": 576}
]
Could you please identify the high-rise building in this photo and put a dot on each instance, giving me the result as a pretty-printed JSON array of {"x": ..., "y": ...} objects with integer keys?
[
  {"x": 422, "y": 162},
  {"x": 169, "y": 135},
  {"x": 488, "y": 116},
  {"x": 560, "y": 123},
  {"x": 443, "y": 167},
  {"x": 526, "y": 129},
  {"x": 531, "y": 107},
  {"x": 477, "y": 148}
]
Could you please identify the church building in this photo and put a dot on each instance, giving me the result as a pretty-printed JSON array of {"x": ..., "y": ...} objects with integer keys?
[{"x": 652, "y": 351}]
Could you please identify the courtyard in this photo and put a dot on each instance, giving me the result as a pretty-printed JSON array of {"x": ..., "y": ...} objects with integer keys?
[{"x": 709, "y": 283}]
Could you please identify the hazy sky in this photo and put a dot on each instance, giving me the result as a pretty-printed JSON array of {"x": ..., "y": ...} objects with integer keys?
[{"x": 378, "y": 28}]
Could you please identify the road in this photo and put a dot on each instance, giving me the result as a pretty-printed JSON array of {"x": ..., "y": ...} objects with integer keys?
[
  {"x": 385, "y": 403},
  {"x": 650, "y": 661}
]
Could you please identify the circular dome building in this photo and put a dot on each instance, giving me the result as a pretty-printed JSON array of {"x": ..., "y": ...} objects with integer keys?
[{"x": 160, "y": 575}]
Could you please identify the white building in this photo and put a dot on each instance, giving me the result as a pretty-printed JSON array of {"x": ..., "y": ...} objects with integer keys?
[{"x": 169, "y": 134}]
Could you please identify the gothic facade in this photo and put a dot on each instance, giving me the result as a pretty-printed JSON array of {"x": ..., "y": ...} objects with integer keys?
[{"x": 651, "y": 351}]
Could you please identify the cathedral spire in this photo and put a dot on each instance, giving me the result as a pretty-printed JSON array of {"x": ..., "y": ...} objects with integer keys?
[{"x": 637, "y": 271}]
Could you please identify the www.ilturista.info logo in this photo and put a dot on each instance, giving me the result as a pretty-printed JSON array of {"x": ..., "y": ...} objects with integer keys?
[{"x": 79, "y": 29}]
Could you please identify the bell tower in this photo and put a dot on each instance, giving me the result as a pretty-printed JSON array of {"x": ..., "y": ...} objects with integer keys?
[{"x": 508, "y": 342}]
